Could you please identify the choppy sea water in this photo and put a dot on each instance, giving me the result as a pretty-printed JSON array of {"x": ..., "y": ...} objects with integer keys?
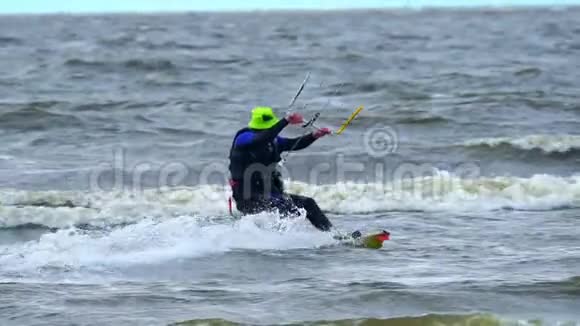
[{"x": 116, "y": 129}]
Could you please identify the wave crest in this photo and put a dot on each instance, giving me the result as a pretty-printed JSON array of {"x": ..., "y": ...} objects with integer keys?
[
  {"x": 430, "y": 319},
  {"x": 548, "y": 144},
  {"x": 441, "y": 192}
]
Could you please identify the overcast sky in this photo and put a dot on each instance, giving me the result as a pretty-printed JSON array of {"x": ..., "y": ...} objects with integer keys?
[{"x": 44, "y": 6}]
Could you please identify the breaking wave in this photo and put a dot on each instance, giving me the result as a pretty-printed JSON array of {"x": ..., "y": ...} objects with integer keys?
[
  {"x": 548, "y": 144},
  {"x": 152, "y": 241},
  {"x": 441, "y": 192},
  {"x": 429, "y": 319}
]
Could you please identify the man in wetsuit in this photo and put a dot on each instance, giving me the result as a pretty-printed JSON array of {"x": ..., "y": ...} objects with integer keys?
[{"x": 256, "y": 182}]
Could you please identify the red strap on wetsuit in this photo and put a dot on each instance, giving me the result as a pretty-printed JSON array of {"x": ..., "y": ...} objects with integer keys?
[{"x": 233, "y": 183}]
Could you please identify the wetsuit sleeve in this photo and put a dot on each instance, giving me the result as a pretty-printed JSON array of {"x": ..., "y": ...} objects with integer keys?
[
  {"x": 248, "y": 138},
  {"x": 295, "y": 144}
]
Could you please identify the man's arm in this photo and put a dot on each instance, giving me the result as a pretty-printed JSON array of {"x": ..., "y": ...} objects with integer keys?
[{"x": 296, "y": 144}]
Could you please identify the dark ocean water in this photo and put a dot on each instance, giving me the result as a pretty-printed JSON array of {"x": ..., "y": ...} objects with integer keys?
[{"x": 115, "y": 132}]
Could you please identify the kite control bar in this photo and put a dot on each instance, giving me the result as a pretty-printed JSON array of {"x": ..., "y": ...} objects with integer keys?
[{"x": 311, "y": 121}]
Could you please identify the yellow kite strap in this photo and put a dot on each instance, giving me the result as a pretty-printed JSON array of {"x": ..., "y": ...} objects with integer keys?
[{"x": 349, "y": 120}]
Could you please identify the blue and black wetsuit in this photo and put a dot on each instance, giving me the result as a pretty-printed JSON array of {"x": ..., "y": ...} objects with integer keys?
[{"x": 256, "y": 182}]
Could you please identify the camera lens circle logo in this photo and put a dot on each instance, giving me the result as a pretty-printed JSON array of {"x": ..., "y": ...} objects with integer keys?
[{"x": 381, "y": 141}]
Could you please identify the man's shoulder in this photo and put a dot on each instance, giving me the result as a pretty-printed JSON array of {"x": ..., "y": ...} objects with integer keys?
[{"x": 243, "y": 137}]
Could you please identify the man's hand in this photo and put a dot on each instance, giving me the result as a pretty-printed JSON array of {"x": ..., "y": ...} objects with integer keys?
[
  {"x": 321, "y": 132},
  {"x": 295, "y": 118}
]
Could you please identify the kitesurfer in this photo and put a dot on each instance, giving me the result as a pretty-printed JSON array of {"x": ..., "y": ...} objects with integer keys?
[{"x": 255, "y": 180}]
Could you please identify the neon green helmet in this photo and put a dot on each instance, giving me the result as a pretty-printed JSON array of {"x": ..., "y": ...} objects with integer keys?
[{"x": 263, "y": 117}]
